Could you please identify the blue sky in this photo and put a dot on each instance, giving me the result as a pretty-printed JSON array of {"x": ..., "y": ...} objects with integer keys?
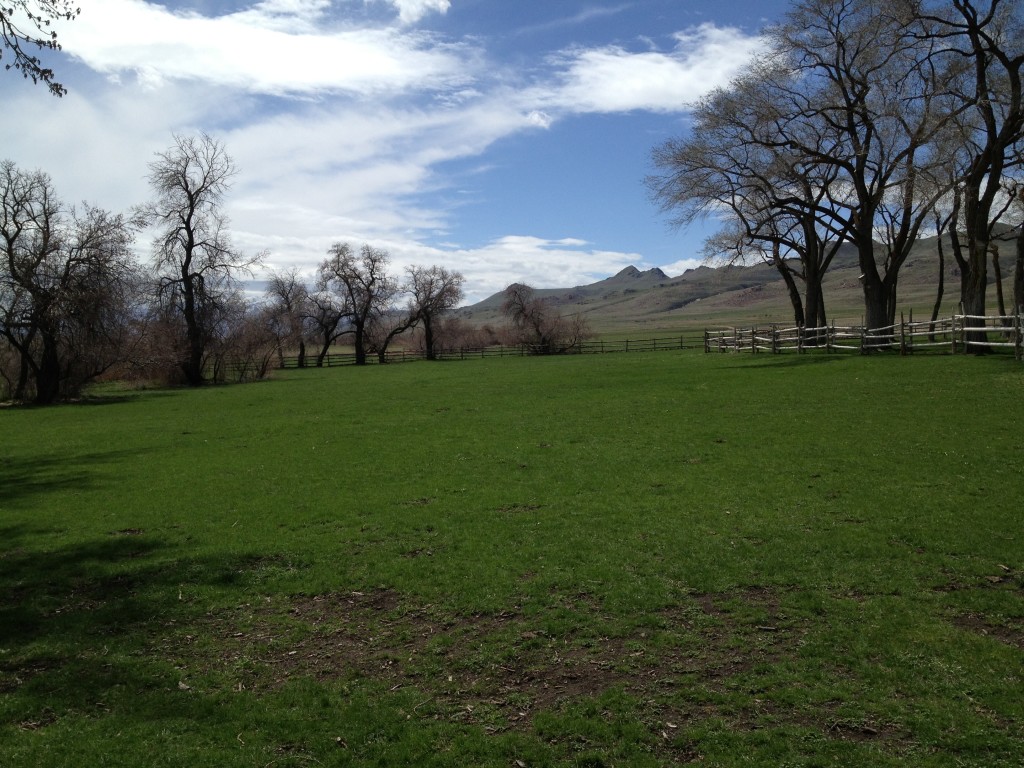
[{"x": 507, "y": 139}]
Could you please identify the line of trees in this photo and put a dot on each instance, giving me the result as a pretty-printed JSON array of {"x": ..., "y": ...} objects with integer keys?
[
  {"x": 863, "y": 122},
  {"x": 77, "y": 304},
  {"x": 354, "y": 298}
]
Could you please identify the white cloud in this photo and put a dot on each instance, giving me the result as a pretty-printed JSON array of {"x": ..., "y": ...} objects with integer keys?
[
  {"x": 581, "y": 17},
  {"x": 411, "y": 11},
  {"x": 613, "y": 79},
  {"x": 489, "y": 268},
  {"x": 538, "y": 262},
  {"x": 286, "y": 15},
  {"x": 540, "y": 119},
  {"x": 359, "y": 162},
  {"x": 277, "y": 47},
  {"x": 677, "y": 268}
]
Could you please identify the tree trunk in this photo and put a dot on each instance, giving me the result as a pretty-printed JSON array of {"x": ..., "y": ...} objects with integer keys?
[
  {"x": 22, "y": 385},
  {"x": 814, "y": 304},
  {"x": 428, "y": 337},
  {"x": 876, "y": 303},
  {"x": 360, "y": 346},
  {"x": 973, "y": 284},
  {"x": 940, "y": 289},
  {"x": 997, "y": 273},
  {"x": 24, "y": 367},
  {"x": 822, "y": 315},
  {"x": 302, "y": 353},
  {"x": 794, "y": 295},
  {"x": 1018, "y": 273},
  {"x": 48, "y": 373},
  {"x": 876, "y": 295},
  {"x": 192, "y": 365}
]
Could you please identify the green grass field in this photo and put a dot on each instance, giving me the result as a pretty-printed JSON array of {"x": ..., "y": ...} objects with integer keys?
[{"x": 617, "y": 560}]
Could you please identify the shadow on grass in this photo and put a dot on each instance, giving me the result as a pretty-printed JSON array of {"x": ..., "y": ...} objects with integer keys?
[
  {"x": 78, "y": 622},
  {"x": 26, "y": 478},
  {"x": 790, "y": 361}
]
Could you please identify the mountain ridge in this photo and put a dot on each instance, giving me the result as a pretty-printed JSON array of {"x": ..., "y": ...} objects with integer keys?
[{"x": 739, "y": 294}]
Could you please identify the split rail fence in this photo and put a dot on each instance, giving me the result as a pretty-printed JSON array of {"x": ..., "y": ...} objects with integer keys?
[
  {"x": 960, "y": 333},
  {"x": 684, "y": 341}
]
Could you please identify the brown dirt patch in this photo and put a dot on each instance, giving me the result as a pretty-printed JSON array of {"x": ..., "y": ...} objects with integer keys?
[
  {"x": 1011, "y": 633},
  {"x": 497, "y": 670}
]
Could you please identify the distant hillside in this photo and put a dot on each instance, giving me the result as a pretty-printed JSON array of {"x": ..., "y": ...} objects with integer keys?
[{"x": 652, "y": 301}]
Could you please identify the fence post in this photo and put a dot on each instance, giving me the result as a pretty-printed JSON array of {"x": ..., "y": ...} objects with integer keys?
[
  {"x": 903, "y": 334},
  {"x": 1019, "y": 338}
]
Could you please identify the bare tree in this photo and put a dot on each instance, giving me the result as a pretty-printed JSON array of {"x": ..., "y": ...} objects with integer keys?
[
  {"x": 27, "y": 24},
  {"x": 288, "y": 308},
  {"x": 244, "y": 350},
  {"x": 194, "y": 259},
  {"x": 364, "y": 287},
  {"x": 737, "y": 165},
  {"x": 384, "y": 326},
  {"x": 435, "y": 291},
  {"x": 538, "y": 325},
  {"x": 989, "y": 38},
  {"x": 868, "y": 96},
  {"x": 326, "y": 312},
  {"x": 840, "y": 132},
  {"x": 68, "y": 287}
]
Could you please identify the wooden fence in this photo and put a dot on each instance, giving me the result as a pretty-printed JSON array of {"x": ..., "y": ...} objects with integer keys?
[
  {"x": 955, "y": 334},
  {"x": 691, "y": 341}
]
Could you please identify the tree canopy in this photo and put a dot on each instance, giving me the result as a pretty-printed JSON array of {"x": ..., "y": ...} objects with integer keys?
[{"x": 860, "y": 121}]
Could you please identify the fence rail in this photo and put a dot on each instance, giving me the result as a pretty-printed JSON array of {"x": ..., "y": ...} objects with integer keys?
[
  {"x": 336, "y": 359},
  {"x": 960, "y": 333}
]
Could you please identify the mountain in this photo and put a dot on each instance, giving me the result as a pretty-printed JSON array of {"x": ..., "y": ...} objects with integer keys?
[{"x": 735, "y": 295}]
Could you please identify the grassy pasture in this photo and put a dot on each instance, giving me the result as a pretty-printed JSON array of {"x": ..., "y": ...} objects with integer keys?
[{"x": 642, "y": 559}]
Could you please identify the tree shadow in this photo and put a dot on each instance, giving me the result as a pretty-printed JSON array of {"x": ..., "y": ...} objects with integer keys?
[
  {"x": 791, "y": 361},
  {"x": 22, "y": 479},
  {"x": 79, "y": 623}
]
